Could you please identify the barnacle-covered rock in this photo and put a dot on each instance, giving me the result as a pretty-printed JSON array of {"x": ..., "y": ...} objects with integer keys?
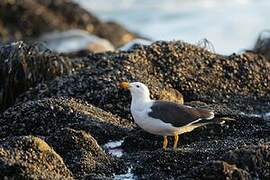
[
  {"x": 29, "y": 157},
  {"x": 82, "y": 154},
  {"x": 46, "y": 116},
  {"x": 199, "y": 160},
  {"x": 253, "y": 158},
  {"x": 218, "y": 170},
  {"x": 240, "y": 81}
]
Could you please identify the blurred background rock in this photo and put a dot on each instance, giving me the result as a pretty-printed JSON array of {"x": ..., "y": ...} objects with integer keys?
[{"x": 29, "y": 19}]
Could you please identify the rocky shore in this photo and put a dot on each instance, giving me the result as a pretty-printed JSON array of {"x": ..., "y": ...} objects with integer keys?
[{"x": 59, "y": 111}]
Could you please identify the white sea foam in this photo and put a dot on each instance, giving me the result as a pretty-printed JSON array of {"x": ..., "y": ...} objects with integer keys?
[{"x": 113, "y": 148}]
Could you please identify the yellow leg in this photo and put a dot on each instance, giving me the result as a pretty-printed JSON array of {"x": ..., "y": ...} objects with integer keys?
[
  {"x": 165, "y": 142},
  {"x": 176, "y": 137}
]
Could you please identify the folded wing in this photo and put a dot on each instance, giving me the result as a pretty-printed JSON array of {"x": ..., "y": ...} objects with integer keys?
[{"x": 178, "y": 115}]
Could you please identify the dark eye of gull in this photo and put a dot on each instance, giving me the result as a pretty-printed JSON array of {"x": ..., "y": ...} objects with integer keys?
[{"x": 137, "y": 86}]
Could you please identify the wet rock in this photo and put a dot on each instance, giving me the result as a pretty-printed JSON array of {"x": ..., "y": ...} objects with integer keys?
[
  {"x": 97, "y": 177},
  {"x": 46, "y": 116},
  {"x": 24, "y": 19},
  {"x": 82, "y": 154},
  {"x": 218, "y": 170},
  {"x": 29, "y": 157},
  {"x": 240, "y": 81},
  {"x": 254, "y": 159},
  {"x": 168, "y": 164},
  {"x": 188, "y": 159},
  {"x": 139, "y": 140},
  {"x": 23, "y": 66},
  {"x": 135, "y": 44},
  {"x": 206, "y": 79},
  {"x": 75, "y": 40}
]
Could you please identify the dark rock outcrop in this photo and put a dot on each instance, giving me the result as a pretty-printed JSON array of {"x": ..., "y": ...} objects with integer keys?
[
  {"x": 29, "y": 157},
  {"x": 44, "y": 117},
  {"x": 27, "y": 19},
  {"x": 169, "y": 164},
  {"x": 254, "y": 159},
  {"x": 241, "y": 81},
  {"x": 82, "y": 154},
  {"x": 190, "y": 159},
  {"x": 218, "y": 170},
  {"x": 225, "y": 84}
]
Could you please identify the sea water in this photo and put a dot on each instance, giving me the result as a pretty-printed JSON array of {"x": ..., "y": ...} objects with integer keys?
[
  {"x": 230, "y": 25},
  {"x": 114, "y": 149}
]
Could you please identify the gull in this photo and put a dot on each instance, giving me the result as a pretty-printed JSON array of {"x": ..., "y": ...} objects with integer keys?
[{"x": 163, "y": 117}]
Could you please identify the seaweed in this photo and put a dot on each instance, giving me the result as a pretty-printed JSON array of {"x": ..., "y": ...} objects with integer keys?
[
  {"x": 262, "y": 45},
  {"x": 23, "y": 66}
]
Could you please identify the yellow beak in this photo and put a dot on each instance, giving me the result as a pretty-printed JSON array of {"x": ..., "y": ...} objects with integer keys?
[{"x": 124, "y": 85}]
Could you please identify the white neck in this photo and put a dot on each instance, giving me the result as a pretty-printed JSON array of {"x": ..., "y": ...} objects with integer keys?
[{"x": 138, "y": 102}]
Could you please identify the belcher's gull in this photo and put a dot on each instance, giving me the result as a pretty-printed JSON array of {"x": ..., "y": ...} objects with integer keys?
[{"x": 162, "y": 117}]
